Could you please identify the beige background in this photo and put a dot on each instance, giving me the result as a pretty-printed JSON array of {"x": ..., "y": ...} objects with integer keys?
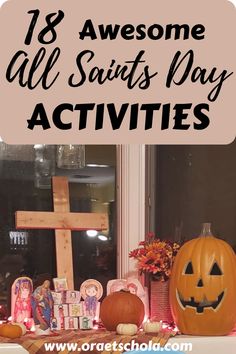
[{"x": 217, "y": 49}]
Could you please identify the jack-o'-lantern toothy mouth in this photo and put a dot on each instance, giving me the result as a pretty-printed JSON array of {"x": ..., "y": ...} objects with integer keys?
[{"x": 199, "y": 306}]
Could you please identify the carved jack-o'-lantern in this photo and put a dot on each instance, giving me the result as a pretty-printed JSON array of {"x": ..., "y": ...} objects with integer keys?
[{"x": 203, "y": 286}]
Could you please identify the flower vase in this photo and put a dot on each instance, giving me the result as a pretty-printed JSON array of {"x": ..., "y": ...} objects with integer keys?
[{"x": 159, "y": 301}]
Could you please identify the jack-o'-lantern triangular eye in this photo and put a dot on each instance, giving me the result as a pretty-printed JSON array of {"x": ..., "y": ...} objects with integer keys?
[
  {"x": 189, "y": 268},
  {"x": 215, "y": 270}
]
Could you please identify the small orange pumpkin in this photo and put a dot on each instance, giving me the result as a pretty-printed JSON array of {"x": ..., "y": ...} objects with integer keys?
[
  {"x": 10, "y": 330},
  {"x": 203, "y": 287},
  {"x": 121, "y": 307}
]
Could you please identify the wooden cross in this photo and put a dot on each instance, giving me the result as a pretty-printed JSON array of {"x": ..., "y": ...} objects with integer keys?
[{"x": 63, "y": 221}]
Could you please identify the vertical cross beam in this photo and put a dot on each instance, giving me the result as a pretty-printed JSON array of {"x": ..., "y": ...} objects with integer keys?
[{"x": 61, "y": 203}]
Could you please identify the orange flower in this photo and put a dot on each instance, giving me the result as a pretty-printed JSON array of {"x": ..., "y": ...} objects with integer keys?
[{"x": 155, "y": 256}]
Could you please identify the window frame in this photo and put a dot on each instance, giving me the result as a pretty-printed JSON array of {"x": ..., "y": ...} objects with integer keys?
[{"x": 131, "y": 204}]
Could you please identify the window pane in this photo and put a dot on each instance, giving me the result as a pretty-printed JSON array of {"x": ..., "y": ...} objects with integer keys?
[
  {"x": 25, "y": 177},
  {"x": 95, "y": 257},
  {"x": 196, "y": 184}
]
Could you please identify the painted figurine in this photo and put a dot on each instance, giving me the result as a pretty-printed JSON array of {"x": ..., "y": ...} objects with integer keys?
[
  {"x": 91, "y": 300},
  {"x": 21, "y": 299},
  {"x": 91, "y": 291},
  {"x": 42, "y": 305},
  {"x": 61, "y": 315},
  {"x": 54, "y": 323}
]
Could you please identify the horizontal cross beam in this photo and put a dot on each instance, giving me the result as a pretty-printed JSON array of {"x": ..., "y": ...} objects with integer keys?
[{"x": 61, "y": 220}]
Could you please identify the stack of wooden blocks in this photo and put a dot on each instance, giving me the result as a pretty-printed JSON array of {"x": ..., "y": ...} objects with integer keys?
[{"x": 69, "y": 311}]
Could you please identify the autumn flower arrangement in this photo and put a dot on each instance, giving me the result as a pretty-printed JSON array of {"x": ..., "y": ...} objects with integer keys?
[{"x": 155, "y": 257}]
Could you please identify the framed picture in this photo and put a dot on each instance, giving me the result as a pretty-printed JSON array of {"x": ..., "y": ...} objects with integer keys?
[{"x": 60, "y": 284}]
